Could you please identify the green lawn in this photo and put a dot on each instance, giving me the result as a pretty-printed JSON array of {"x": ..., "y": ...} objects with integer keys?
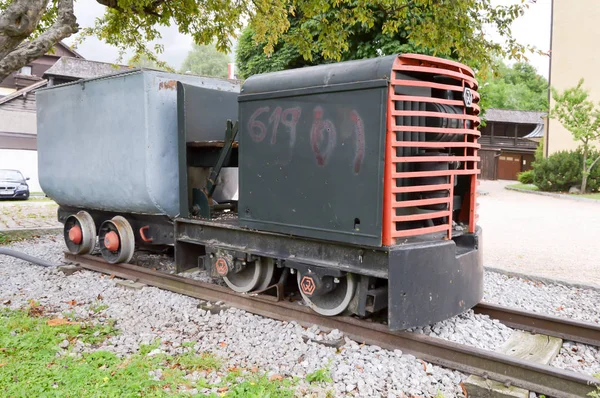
[
  {"x": 531, "y": 187},
  {"x": 32, "y": 364},
  {"x": 592, "y": 195},
  {"x": 528, "y": 187}
]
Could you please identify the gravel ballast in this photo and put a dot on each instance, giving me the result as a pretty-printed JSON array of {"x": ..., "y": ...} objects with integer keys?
[{"x": 278, "y": 348}]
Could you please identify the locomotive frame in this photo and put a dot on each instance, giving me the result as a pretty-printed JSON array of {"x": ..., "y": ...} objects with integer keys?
[{"x": 415, "y": 249}]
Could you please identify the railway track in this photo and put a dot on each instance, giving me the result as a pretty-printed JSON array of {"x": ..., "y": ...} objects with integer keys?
[{"x": 542, "y": 379}]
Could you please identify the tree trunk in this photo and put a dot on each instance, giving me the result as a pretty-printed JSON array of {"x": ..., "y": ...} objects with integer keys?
[
  {"x": 17, "y": 23},
  {"x": 585, "y": 170}
]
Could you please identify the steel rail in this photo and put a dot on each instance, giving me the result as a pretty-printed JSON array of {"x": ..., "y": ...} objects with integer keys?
[
  {"x": 566, "y": 329},
  {"x": 532, "y": 376}
]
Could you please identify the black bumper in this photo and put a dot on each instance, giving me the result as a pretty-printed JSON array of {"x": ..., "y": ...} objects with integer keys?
[
  {"x": 434, "y": 281},
  {"x": 16, "y": 195}
]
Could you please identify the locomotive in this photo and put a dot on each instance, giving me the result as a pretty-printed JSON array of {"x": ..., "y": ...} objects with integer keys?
[{"x": 358, "y": 179}]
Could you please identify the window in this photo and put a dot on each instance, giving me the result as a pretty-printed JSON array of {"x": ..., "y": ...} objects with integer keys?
[{"x": 26, "y": 70}]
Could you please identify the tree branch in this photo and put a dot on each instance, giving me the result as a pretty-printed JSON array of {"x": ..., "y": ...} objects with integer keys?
[
  {"x": 150, "y": 9},
  {"x": 65, "y": 26},
  {"x": 18, "y": 21},
  {"x": 594, "y": 163}
]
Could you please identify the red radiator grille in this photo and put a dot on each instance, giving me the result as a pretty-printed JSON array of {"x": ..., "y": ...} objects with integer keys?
[{"x": 420, "y": 182}]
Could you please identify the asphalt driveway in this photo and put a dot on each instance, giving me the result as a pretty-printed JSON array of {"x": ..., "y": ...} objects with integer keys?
[{"x": 545, "y": 236}]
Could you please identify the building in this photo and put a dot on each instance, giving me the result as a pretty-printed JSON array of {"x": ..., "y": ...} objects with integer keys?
[
  {"x": 508, "y": 142},
  {"x": 34, "y": 71},
  {"x": 574, "y": 36},
  {"x": 18, "y": 124}
]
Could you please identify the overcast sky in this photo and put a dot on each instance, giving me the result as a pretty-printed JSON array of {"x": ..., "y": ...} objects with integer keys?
[{"x": 533, "y": 28}]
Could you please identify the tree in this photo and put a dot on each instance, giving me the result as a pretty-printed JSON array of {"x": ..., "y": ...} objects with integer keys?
[
  {"x": 365, "y": 42},
  {"x": 519, "y": 87},
  {"x": 578, "y": 114},
  {"x": 30, "y": 28},
  {"x": 142, "y": 61},
  {"x": 205, "y": 60}
]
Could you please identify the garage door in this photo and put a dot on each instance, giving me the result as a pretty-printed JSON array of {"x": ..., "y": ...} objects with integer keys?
[{"x": 509, "y": 165}]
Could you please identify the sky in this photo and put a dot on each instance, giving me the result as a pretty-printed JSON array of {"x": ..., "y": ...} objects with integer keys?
[{"x": 533, "y": 29}]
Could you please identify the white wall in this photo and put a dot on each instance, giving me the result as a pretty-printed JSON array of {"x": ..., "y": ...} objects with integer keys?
[
  {"x": 18, "y": 122},
  {"x": 24, "y": 161}
]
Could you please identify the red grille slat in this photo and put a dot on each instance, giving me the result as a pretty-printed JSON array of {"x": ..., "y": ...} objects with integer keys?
[
  {"x": 438, "y": 71},
  {"x": 443, "y": 173},
  {"x": 421, "y": 188},
  {"x": 412, "y": 144},
  {"x": 420, "y": 231},
  {"x": 439, "y": 61},
  {"x": 421, "y": 161},
  {"x": 437, "y": 130},
  {"x": 416, "y": 83},
  {"x": 422, "y": 216},
  {"x": 410, "y": 98},
  {"x": 436, "y": 114},
  {"x": 420, "y": 202}
]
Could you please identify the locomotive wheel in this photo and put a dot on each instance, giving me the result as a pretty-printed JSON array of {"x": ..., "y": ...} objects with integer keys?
[
  {"x": 256, "y": 276},
  {"x": 336, "y": 301},
  {"x": 117, "y": 242},
  {"x": 80, "y": 233}
]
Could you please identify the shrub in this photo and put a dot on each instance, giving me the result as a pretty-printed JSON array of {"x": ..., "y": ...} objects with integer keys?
[
  {"x": 526, "y": 177},
  {"x": 562, "y": 170}
]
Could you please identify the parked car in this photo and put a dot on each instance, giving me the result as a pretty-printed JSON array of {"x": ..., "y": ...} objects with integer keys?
[{"x": 13, "y": 185}]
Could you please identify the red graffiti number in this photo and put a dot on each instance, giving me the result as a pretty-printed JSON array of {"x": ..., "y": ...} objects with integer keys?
[
  {"x": 320, "y": 128},
  {"x": 257, "y": 129},
  {"x": 359, "y": 131}
]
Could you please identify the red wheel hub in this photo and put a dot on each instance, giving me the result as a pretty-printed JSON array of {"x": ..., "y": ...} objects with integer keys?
[
  {"x": 75, "y": 234},
  {"x": 111, "y": 241}
]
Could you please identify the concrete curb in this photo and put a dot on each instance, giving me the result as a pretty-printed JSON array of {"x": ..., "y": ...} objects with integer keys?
[
  {"x": 26, "y": 233},
  {"x": 555, "y": 195},
  {"x": 542, "y": 279}
]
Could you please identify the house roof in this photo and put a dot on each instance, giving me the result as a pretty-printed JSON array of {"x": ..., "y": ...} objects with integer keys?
[
  {"x": 69, "y": 49},
  {"x": 81, "y": 69},
  {"x": 538, "y": 132},
  {"x": 512, "y": 116},
  {"x": 23, "y": 91}
]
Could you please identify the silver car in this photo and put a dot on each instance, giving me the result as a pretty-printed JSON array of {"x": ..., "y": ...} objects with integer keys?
[{"x": 13, "y": 185}]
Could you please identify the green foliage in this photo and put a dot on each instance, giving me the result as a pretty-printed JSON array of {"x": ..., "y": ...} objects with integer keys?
[
  {"x": 526, "y": 187},
  {"x": 262, "y": 387},
  {"x": 327, "y": 29},
  {"x": 311, "y": 32},
  {"x": 31, "y": 364},
  {"x": 595, "y": 394},
  {"x": 98, "y": 307},
  {"x": 562, "y": 170},
  {"x": 206, "y": 61},
  {"x": 143, "y": 61},
  {"x": 578, "y": 114},
  {"x": 525, "y": 177},
  {"x": 518, "y": 87},
  {"x": 322, "y": 375}
]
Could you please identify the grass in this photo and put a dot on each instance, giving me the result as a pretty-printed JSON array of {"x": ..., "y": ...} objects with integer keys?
[
  {"x": 7, "y": 239},
  {"x": 322, "y": 375},
  {"x": 595, "y": 394},
  {"x": 527, "y": 187},
  {"x": 531, "y": 187},
  {"x": 595, "y": 195},
  {"x": 32, "y": 364}
]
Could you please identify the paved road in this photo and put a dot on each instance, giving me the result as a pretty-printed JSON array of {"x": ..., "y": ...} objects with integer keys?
[
  {"x": 540, "y": 235},
  {"x": 28, "y": 214}
]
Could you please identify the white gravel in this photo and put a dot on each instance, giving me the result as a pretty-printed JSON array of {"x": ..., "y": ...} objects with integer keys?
[
  {"x": 245, "y": 340},
  {"x": 242, "y": 339},
  {"x": 556, "y": 300}
]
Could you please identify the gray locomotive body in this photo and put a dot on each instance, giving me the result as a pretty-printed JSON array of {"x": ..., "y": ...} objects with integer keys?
[{"x": 358, "y": 178}]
